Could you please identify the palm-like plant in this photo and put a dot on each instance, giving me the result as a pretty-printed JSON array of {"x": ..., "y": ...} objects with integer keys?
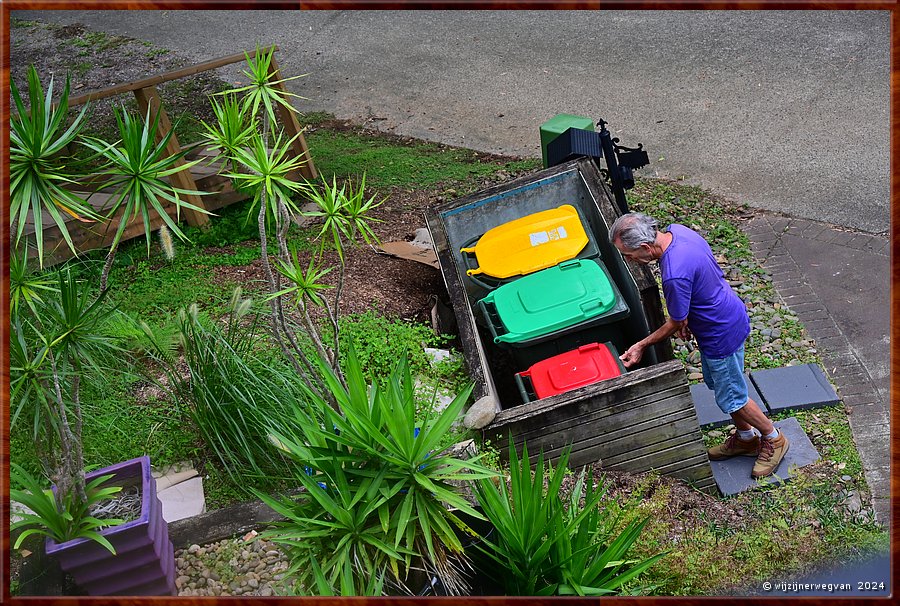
[
  {"x": 61, "y": 520},
  {"x": 346, "y": 216},
  {"x": 264, "y": 90},
  {"x": 265, "y": 174},
  {"x": 377, "y": 485},
  {"x": 261, "y": 163},
  {"x": 26, "y": 286},
  {"x": 135, "y": 168},
  {"x": 233, "y": 127},
  {"x": 37, "y": 173},
  {"x": 62, "y": 341},
  {"x": 545, "y": 546}
]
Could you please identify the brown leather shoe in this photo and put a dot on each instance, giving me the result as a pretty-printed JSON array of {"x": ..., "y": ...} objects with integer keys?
[
  {"x": 771, "y": 452},
  {"x": 734, "y": 446}
]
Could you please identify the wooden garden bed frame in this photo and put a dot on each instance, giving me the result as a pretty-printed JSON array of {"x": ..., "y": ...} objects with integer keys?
[{"x": 201, "y": 177}]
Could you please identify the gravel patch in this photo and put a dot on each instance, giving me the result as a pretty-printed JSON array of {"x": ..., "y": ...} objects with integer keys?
[{"x": 243, "y": 566}]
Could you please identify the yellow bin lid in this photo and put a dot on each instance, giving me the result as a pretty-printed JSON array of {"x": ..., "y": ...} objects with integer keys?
[{"x": 530, "y": 243}]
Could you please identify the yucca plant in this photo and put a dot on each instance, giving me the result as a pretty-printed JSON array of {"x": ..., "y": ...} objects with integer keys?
[
  {"x": 347, "y": 219},
  {"x": 25, "y": 285},
  {"x": 233, "y": 128},
  {"x": 38, "y": 174},
  {"x": 378, "y": 486},
  {"x": 545, "y": 546},
  {"x": 264, "y": 90},
  {"x": 262, "y": 163},
  {"x": 134, "y": 169}
]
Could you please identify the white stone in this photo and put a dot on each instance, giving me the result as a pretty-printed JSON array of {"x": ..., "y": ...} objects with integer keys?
[
  {"x": 437, "y": 356},
  {"x": 442, "y": 398},
  {"x": 422, "y": 238},
  {"x": 481, "y": 412},
  {"x": 463, "y": 450}
]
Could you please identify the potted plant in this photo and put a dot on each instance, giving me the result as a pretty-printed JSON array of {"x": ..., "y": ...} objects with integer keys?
[{"x": 60, "y": 340}]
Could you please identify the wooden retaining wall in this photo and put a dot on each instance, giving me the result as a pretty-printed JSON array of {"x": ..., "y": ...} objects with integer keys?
[{"x": 641, "y": 421}]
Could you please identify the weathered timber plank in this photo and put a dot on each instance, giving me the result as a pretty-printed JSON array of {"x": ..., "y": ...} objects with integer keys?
[
  {"x": 656, "y": 455},
  {"x": 637, "y": 422},
  {"x": 696, "y": 466},
  {"x": 651, "y": 433},
  {"x": 625, "y": 441},
  {"x": 474, "y": 357},
  {"x": 164, "y": 77},
  {"x": 662, "y": 371},
  {"x": 585, "y": 414},
  {"x": 220, "y": 524}
]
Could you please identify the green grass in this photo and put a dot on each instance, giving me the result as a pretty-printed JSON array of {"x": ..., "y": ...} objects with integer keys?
[
  {"x": 23, "y": 23},
  {"x": 98, "y": 41},
  {"x": 381, "y": 341},
  {"x": 387, "y": 164},
  {"x": 153, "y": 286},
  {"x": 155, "y": 52},
  {"x": 790, "y": 529}
]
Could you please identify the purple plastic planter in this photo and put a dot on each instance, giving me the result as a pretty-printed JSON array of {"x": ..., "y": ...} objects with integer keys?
[{"x": 144, "y": 563}]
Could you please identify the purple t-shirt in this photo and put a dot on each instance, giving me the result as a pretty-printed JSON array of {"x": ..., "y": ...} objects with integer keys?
[{"x": 695, "y": 288}]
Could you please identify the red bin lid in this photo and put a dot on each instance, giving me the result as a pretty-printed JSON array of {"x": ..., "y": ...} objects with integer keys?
[{"x": 567, "y": 371}]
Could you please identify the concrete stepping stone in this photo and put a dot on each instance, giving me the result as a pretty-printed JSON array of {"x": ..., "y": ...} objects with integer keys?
[
  {"x": 180, "y": 490},
  {"x": 733, "y": 475},
  {"x": 794, "y": 387},
  {"x": 183, "y": 500},
  {"x": 708, "y": 412}
]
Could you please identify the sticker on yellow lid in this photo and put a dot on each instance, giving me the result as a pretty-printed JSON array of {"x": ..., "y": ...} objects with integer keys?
[{"x": 530, "y": 243}]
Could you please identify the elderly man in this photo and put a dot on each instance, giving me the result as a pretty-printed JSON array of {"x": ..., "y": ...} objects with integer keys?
[{"x": 700, "y": 301}]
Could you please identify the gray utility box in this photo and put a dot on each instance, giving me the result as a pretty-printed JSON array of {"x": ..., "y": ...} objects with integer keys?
[{"x": 643, "y": 420}]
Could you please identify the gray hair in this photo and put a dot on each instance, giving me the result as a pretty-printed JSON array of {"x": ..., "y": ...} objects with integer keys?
[{"x": 634, "y": 229}]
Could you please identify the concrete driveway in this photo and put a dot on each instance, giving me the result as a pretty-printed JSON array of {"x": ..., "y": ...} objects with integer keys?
[{"x": 782, "y": 110}]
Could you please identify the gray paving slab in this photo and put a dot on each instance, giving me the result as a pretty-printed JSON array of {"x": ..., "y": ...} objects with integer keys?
[
  {"x": 794, "y": 387},
  {"x": 733, "y": 475},
  {"x": 708, "y": 412}
]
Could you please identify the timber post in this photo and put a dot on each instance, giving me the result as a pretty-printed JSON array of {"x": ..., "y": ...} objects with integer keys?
[
  {"x": 148, "y": 99},
  {"x": 292, "y": 127}
]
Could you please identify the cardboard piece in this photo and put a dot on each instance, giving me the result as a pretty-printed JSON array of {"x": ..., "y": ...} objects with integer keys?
[{"x": 410, "y": 251}]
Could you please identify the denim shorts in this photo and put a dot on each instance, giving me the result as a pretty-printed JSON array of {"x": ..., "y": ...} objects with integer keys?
[{"x": 725, "y": 376}]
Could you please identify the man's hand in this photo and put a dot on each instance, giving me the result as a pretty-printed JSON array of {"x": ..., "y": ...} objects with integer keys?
[
  {"x": 684, "y": 333},
  {"x": 633, "y": 355}
]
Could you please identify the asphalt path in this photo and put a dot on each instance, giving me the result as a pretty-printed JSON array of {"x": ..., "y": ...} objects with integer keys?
[{"x": 782, "y": 110}]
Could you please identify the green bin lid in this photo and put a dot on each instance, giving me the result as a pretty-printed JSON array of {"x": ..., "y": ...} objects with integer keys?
[{"x": 554, "y": 299}]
